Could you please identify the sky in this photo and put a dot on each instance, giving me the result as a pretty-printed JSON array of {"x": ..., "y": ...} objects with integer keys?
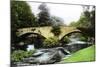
[{"x": 68, "y": 13}]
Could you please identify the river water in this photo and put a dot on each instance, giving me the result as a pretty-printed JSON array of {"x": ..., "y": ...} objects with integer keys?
[{"x": 50, "y": 55}]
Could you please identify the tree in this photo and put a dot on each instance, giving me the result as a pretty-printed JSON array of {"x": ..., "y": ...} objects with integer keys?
[
  {"x": 56, "y": 21},
  {"x": 21, "y": 16},
  {"x": 87, "y": 18},
  {"x": 73, "y": 24},
  {"x": 44, "y": 15},
  {"x": 86, "y": 23}
]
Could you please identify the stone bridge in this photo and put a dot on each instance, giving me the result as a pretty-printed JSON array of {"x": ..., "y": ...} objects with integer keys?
[{"x": 45, "y": 31}]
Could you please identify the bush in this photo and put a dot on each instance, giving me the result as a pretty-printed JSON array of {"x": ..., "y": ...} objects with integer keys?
[
  {"x": 65, "y": 40},
  {"x": 83, "y": 38},
  {"x": 51, "y": 42},
  {"x": 18, "y": 55},
  {"x": 56, "y": 30}
]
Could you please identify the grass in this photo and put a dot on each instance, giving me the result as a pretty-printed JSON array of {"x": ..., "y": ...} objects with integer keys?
[{"x": 87, "y": 54}]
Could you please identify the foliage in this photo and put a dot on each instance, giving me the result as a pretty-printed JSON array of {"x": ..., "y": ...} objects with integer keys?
[
  {"x": 19, "y": 55},
  {"x": 56, "y": 30},
  {"x": 82, "y": 22},
  {"x": 51, "y": 42},
  {"x": 57, "y": 21},
  {"x": 21, "y": 16},
  {"x": 82, "y": 38},
  {"x": 43, "y": 16},
  {"x": 45, "y": 19},
  {"x": 65, "y": 40},
  {"x": 73, "y": 24},
  {"x": 86, "y": 21},
  {"x": 87, "y": 54}
]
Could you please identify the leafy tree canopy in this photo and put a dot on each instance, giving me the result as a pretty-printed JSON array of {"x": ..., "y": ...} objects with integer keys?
[{"x": 21, "y": 15}]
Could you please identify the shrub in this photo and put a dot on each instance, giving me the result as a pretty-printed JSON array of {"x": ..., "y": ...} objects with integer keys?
[
  {"x": 83, "y": 38},
  {"x": 51, "y": 42},
  {"x": 56, "y": 30},
  {"x": 65, "y": 40},
  {"x": 18, "y": 55}
]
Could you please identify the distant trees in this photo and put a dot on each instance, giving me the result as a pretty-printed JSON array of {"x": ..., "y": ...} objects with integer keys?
[
  {"x": 44, "y": 15},
  {"x": 73, "y": 23},
  {"x": 87, "y": 18},
  {"x": 45, "y": 19},
  {"x": 56, "y": 21},
  {"x": 86, "y": 23}
]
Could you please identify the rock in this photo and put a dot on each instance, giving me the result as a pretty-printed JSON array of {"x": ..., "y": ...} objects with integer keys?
[{"x": 47, "y": 56}]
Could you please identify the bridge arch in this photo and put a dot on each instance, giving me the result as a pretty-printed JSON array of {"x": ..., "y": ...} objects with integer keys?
[
  {"x": 30, "y": 35},
  {"x": 33, "y": 38},
  {"x": 68, "y": 34}
]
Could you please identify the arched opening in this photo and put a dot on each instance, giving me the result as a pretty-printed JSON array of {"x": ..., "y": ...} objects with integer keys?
[
  {"x": 74, "y": 41},
  {"x": 71, "y": 34},
  {"x": 29, "y": 39}
]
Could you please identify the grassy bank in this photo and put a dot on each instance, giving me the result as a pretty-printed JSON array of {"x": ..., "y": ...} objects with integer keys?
[{"x": 87, "y": 54}]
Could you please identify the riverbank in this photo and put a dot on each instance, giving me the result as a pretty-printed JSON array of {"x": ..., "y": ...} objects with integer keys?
[{"x": 87, "y": 54}]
